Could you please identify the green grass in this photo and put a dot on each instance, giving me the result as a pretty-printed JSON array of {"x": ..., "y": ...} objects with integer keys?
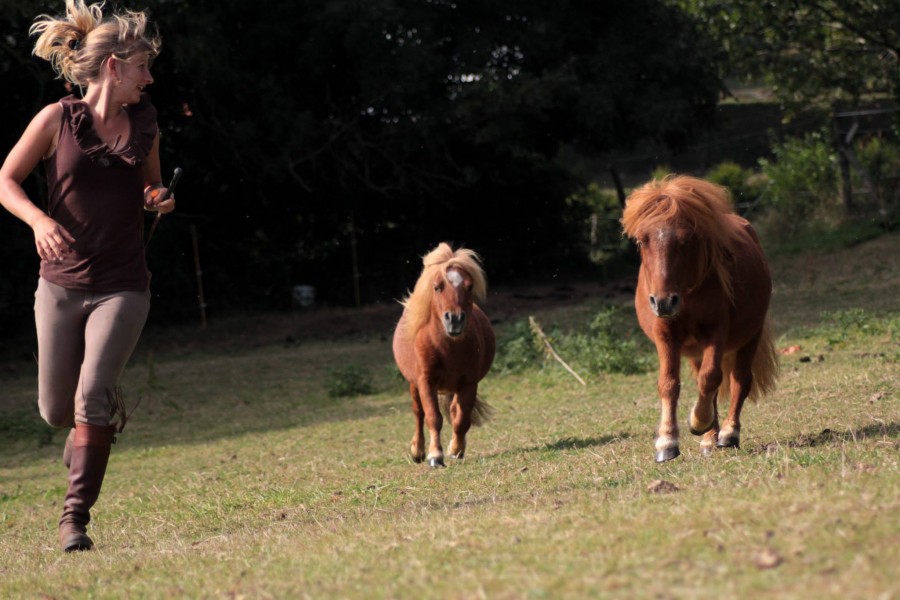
[{"x": 241, "y": 476}]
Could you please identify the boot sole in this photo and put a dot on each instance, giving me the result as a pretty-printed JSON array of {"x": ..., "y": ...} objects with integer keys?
[{"x": 77, "y": 543}]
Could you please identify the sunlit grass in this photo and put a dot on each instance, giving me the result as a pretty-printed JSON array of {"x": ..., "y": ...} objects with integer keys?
[{"x": 241, "y": 476}]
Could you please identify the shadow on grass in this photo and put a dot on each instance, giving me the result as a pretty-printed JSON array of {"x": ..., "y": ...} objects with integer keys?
[
  {"x": 24, "y": 429},
  {"x": 567, "y": 443},
  {"x": 574, "y": 443},
  {"x": 829, "y": 437},
  {"x": 25, "y": 424}
]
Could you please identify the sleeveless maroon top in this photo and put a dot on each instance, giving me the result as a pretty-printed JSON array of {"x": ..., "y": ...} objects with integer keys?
[{"x": 97, "y": 194}]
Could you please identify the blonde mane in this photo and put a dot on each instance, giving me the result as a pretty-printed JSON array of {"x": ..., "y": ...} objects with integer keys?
[
  {"x": 417, "y": 304},
  {"x": 692, "y": 202}
]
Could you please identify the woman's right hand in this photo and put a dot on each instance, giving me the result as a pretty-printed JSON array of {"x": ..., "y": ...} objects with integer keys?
[{"x": 52, "y": 240}]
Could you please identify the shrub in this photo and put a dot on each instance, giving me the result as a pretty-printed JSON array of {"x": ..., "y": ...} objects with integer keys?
[
  {"x": 350, "y": 380},
  {"x": 517, "y": 350},
  {"x": 660, "y": 171},
  {"x": 596, "y": 213},
  {"x": 801, "y": 180},
  {"x": 881, "y": 160},
  {"x": 744, "y": 187},
  {"x": 608, "y": 346}
]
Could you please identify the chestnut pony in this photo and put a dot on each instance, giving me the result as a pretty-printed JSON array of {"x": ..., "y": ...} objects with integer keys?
[
  {"x": 703, "y": 293},
  {"x": 444, "y": 345}
]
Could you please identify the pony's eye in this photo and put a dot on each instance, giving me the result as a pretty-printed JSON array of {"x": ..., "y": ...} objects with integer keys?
[{"x": 438, "y": 287}]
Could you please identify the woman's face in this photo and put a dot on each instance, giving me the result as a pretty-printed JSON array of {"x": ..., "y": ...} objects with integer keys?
[{"x": 133, "y": 76}]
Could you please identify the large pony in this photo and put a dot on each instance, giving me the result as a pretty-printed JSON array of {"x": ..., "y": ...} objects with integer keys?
[
  {"x": 703, "y": 292},
  {"x": 444, "y": 345}
]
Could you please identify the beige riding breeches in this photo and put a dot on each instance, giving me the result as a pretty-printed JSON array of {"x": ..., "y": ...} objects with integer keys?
[{"x": 84, "y": 341}]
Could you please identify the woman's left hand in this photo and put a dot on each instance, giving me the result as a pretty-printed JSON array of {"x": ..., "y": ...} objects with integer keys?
[{"x": 152, "y": 200}]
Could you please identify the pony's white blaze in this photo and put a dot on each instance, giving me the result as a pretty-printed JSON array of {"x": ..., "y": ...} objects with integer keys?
[{"x": 455, "y": 278}]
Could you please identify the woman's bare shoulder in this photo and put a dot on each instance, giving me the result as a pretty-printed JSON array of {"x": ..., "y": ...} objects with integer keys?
[
  {"x": 45, "y": 126},
  {"x": 50, "y": 115}
]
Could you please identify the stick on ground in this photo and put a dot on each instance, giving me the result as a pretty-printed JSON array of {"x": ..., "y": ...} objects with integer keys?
[{"x": 536, "y": 329}]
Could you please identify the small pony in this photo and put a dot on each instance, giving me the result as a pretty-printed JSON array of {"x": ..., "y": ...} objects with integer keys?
[
  {"x": 444, "y": 345},
  {"x": 703, "y": 292}
]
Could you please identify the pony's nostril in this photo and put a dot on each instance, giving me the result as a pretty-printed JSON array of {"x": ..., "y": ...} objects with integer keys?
[
  {"x": 675, "y": 300},
  {"x": 454, "y": 323},
  {"x": 652, "y": 300}
]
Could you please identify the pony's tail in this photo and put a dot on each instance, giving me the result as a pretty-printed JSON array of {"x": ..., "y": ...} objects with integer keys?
[
  {"x": 481, "y": 412},
  {"x": 764, "y": 368},
  {"x": 765, "y": 364}
]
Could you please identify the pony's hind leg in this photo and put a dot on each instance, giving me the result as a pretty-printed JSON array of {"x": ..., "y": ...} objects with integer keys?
[
  {"x": 461, "y": 416},
  {"x": 730, "y": 432},
  {"x": 417, "y": 445},
  {"x": 709, "y": 439},
  {"x": 741, "y": 384}
]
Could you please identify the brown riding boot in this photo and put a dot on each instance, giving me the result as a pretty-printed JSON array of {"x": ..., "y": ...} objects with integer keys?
[{"x": 89, "y": 457}]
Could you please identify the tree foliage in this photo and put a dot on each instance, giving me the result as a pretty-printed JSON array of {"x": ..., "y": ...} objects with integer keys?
[
  {"x": 810, "y": 51},
  {"x": 321, "y": 135}
]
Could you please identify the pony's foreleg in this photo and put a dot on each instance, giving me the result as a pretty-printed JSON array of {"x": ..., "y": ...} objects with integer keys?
[
  {"x": 461, "y": 416},
  {"x": 417, "y": 446},
  {"x": 669, "y": 386},
  {"x": 433, "y": 420},
  {"x": 709, "y": 378}
]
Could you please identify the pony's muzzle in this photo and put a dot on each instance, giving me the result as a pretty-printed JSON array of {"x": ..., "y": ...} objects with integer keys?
[
  {"x": 454, "y": 323},
  {"x": 666, "y": 307}
]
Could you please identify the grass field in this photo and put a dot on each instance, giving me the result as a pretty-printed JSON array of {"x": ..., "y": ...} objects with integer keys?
[{"x": 241, "y": 477}]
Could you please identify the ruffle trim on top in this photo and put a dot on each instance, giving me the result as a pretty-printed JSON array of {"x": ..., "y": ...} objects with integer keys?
[{"x": 143, "y": 132}]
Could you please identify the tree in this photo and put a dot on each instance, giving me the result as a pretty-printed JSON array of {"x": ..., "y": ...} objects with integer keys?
[
  {"x": 323, "y": 134},
  {"x": 812, "y": 52},
  {"x": 399, "y": 124}
]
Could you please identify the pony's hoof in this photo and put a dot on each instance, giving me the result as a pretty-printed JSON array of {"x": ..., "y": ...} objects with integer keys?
[
  {"x": 700, "y": 431},
  {"x": 728, "y": 442},
  {"x": 458, "y": 455},
  {"x": 706, "y": 450},
  {"x": 416, "y": 459},
  {"x": 667, "y": 454},
  {"x": 436, "y": 462}
]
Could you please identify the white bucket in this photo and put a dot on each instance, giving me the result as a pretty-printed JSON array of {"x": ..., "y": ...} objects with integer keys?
[{"x": 303, "y": 296}]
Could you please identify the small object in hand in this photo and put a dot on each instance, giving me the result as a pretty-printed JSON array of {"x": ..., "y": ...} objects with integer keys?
[
  {"x": 175, "y": 177},
  {"x": 156, "y": 191}
]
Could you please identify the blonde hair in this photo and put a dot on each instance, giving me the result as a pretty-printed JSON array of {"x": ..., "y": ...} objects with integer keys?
[
  {"x": 78, "y": 44},
  {"x": 440, "y": 260}
]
